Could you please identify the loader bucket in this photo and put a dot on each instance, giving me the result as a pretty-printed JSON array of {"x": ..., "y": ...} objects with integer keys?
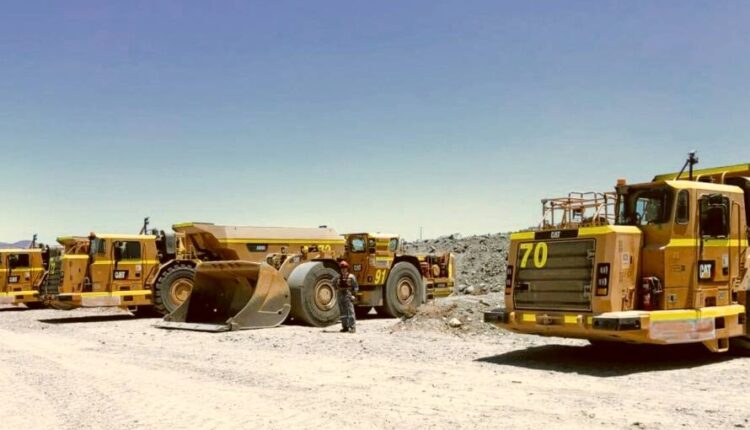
[{"x": 232, "y": 295}]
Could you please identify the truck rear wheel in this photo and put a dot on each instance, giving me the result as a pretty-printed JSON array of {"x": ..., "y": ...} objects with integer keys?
[
  {"x": 404, "y": 290},
  {"x": 173, "y": 287},
  {"x": 314, "y": 295}
]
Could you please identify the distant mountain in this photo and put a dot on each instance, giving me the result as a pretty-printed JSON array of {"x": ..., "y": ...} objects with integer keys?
[{"x": 23, "y": 244}]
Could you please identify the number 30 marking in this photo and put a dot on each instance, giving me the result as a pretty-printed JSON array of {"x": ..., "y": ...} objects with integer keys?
[{"x": 540, "y": 254}]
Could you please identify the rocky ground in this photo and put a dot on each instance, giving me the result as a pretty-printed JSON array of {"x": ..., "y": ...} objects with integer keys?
[{"x": 102, "y": 368}]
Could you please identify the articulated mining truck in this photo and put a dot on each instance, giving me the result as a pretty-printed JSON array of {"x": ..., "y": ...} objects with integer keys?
[
  {"x": 22, "y": 274},
  {"x": 663, "y": 262},
  {"x": 256, "y": 277},
  {"x": 154, "y": 273}
]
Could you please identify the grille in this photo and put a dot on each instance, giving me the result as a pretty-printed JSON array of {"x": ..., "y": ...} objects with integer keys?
[{"x": 562, "y": 283}]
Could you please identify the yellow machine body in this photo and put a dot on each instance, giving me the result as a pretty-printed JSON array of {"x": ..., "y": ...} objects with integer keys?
[
  {"x": 668, "y": 266},
  {"x": 22, "y": 272}
]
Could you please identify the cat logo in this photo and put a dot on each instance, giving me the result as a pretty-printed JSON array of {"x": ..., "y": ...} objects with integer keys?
[
  {"x": 120, "y": 275},
  {"x": 555, "y": 235},
  {"x": 705, "y": 270}
]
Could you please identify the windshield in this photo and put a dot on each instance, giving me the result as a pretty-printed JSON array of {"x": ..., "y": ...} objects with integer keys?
[
  {"x": 357, "y": 244},
  {"x": 643, "y": 207}
]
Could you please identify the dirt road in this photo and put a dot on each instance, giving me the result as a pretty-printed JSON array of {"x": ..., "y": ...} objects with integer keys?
[{"x": 104, "y": 369}]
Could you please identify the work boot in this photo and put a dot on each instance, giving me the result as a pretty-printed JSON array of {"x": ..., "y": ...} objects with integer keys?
[
  {"x": 353, "y": 330},
  {"x": 344, "y": 330}
]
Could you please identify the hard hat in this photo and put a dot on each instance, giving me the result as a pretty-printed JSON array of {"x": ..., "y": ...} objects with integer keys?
[{"x": 344, "y": 265}]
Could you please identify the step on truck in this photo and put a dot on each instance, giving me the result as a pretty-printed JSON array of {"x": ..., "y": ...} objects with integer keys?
[
  {"x": 663, "y": 262},
  {"x": 232, "y": 292},
  {"x": 22, "y": 274}
]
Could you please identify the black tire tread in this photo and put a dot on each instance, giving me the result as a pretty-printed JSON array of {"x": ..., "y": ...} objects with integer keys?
[
  {"x": 160, "y": 289},
  {"x": 391, "y": 307},
  {"x": 302, "y": 300}
]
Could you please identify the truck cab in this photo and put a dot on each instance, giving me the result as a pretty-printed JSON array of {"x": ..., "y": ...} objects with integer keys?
[
  {"x": 694, "y": 241},
  {"x": 370, "y": 256}
]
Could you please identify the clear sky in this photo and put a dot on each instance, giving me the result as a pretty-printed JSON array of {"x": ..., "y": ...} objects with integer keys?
[{"x": 451, "y": 115}]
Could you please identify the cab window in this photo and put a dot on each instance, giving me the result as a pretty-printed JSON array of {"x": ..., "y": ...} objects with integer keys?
[
  {"x": 682, "y": 215},
  {"x": 357, "y": 244},
  {"x": 19, "y": 260},
  {"x": 714, "y": 216},
  {"x": 100, "y": 246},
  {"x": 643, "y": 207},
  {"x": 130, "y": 250}
]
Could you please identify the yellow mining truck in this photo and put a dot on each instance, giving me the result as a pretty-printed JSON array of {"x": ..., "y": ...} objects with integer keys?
[
  {"x": 154, "y": 272},
  {"x": 247, "y": 281},
  {"x": 663, "y": 262},
  {"x": 22, "y": 274}
]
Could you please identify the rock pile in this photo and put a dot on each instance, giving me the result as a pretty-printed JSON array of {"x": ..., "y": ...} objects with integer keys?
[
  {"x": 460, "y": 315},
  {"x": 480, "y": 260}
]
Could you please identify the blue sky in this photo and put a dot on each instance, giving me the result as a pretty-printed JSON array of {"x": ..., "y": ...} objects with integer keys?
[{"x": 454, "y": 116}]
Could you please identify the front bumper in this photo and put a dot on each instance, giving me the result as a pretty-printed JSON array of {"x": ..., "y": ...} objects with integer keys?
[
  {"x": 107, "y": 299},
  {"x": 18, "y": 297},
  {"x": 656, "y": 327}
]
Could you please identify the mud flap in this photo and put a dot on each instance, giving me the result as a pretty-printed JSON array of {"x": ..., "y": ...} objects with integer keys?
[{"x": 232, "y": 295}]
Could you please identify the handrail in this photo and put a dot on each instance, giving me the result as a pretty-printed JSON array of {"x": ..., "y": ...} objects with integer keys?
[{"x": 578, "y": 209}]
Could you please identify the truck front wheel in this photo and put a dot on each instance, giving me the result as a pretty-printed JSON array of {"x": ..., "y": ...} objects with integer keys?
[
  {"x": 404, "y": 290},
  {"x": 173, "y": 287}
]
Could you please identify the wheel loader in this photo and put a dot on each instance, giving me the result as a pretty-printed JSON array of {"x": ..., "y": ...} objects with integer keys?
[
  {"x": 22, "y": 273},
  {"x": 153, "y": 273},
  {"x": 663, "y": 262},
  {"x": 232, "y": 292}
]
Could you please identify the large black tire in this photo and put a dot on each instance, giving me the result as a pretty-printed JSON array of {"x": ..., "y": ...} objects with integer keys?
[
  {"x": 314, "y": 298},
  {"x": 404, "y": 290},
  {"x": 173, "y": 288}
]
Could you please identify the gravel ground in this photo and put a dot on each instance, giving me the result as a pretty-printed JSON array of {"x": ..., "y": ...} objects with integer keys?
[{"x": 98, "y": 368}]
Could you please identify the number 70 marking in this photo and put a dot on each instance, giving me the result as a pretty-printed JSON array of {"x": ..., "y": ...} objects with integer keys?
[{"x": 540, "y": 251}]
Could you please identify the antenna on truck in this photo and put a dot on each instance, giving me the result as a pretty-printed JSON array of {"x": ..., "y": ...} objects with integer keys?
[
  {"x": 146, "y": 222},
  {"x": 689, "y": 163}
]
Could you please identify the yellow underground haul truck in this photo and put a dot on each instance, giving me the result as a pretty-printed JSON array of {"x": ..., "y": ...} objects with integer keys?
[
  {"x": 667, "y": 265},
  {"x": 22, "y": 274},
  {"x": 256, "y": 279}
]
